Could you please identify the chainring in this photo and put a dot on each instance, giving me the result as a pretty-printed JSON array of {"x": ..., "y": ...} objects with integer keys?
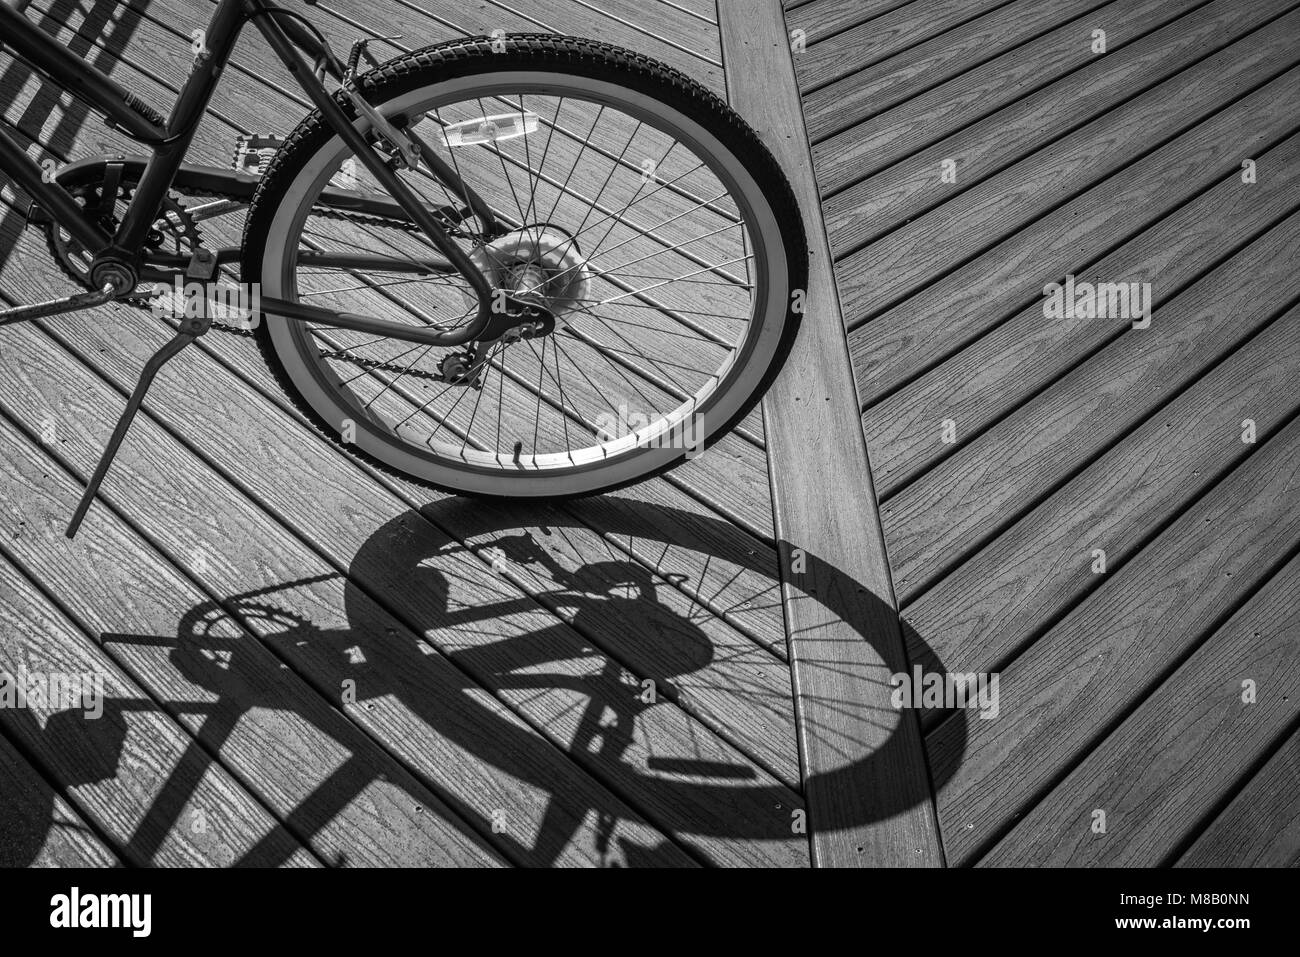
[{"x": 174, "y": 231}]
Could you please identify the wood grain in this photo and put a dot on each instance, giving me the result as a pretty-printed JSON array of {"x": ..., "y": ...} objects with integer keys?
[
  {"x": 1261, "y": 825},
  {"x": 857, "y": 754},
  {"x": 981, "y": 216},
  {"x": 1010, "y": 364},
  {"x": 1060, "y": 698},
  {"x": 938, "y": 521},
  {"x": 941, "y": 319},
  {"x": 1162, "y": 771},
  {"x": 877, "y": 88},
  {"x": 1004, "y": 109},
  {"x": 994, "y": 603},
  {"x": 375, "y": 570},
  {"x": 741, "y": 495},
  {"x": 882, "y": 36},
  {"x": 145, "y": 783},
  {"x": 38, "y": 828}
]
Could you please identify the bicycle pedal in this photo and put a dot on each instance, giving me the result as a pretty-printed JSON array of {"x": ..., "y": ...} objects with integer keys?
[{"x": 54, "y": 307}]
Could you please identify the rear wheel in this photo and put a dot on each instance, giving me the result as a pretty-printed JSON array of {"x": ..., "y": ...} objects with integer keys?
[{"x": 631, "y": 203}]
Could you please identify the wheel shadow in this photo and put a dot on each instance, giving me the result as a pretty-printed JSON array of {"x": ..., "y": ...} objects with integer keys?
[{"x": 386, "y": 664}]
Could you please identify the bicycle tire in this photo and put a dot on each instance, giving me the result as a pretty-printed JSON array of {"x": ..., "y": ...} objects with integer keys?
[{"x": 589, "y": 60}]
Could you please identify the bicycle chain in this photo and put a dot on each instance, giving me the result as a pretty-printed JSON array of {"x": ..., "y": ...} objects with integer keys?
[
  {"x": 145, "y": 302},
  {"x": 328, "y": 213}
]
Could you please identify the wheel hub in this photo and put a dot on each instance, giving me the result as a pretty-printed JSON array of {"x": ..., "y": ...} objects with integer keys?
[{"x": 540, "y": 263}]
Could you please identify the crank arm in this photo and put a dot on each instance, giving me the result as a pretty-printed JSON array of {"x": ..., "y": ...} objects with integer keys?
[{"x": 81, "y": 300}]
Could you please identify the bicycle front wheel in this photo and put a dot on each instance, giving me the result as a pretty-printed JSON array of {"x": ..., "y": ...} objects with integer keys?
[{"x": 633, "y": 204}]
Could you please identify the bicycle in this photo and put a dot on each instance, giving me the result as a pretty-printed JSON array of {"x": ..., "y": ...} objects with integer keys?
[{"x": 408, "y": 258}]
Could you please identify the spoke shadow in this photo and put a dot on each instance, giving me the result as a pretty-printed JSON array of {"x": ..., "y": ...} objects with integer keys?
[{"x": 385, "y": 664}]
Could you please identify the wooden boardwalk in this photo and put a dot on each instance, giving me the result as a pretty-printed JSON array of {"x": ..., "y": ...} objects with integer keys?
[
  {"x": 968, "y": 154},
  {"x": 308, "y": 662},
  {"x": 238, "y": 571}
]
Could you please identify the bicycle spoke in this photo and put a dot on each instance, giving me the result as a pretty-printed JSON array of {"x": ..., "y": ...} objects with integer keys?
[{"x": 630, "y": 238}]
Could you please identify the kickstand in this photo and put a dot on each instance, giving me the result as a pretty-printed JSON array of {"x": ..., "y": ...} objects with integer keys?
[{"x": 190, "y": 330}]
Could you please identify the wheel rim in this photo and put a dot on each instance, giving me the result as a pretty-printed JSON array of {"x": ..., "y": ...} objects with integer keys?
[{"x": 636, "y": 408}]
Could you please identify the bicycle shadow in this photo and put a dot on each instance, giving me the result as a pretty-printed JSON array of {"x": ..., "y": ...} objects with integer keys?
[{"x": 412, "y": 552}]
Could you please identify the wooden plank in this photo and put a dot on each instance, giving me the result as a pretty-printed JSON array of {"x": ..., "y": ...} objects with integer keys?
[
  {"x": 727, "y": 682},
  {"x": 1261, "y": 825},
  {"x": 820, "y": 19},
  {"x": 1003, "y": 110},
  {"x": 901, "y": 344},
  {"x": 275, "y": 749},
  {"x": 684, "y": 47},
  {"x": 871, "y": 91},
  {"x": 979, "y": 217},
  {"x": 761, "y": 577},
  {"x": 1004, "y": 368},
  {"x": 882, "y": 37},
  {"x": 997, "y": 600},
  {"x": 1067, "y": 691},
  {"x": 738, "y": 692},
  {"x": 865, "y": 779},
  {"x": 148, "y": 787},
  {"x": 38, "y": 828},
  {"x": 655, "y": 22},
  {"x": 933, "y": 524},
  {"x": 332, "y": 788},
  {"x": 477, "y": 755},
  {"x": 349, "y": 533},
  {"x": 1163, "y": 770}
]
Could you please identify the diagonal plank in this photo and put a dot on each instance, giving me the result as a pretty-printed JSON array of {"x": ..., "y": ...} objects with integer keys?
[
  {"x": 1165, "y": 767},
  {"x": 1066, "y": 693},
  {"x": 936, "y": 523},
  {"x": 1260, "y": 827},
  {"x": 38, "y": 828},
  {"x": 147, "y": 786}
]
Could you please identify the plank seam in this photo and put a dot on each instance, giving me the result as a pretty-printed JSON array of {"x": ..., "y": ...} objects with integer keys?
[
  {"x": 1229, "y": 794},
  {"x": 1007, "y": 520},
  {"x": 712, "y": 504},
  {"x": 1106, "y": 251},
  {"x": 1140, "y": 695},
  {"x": 39, "y": 768},
  {"x": 977, "y": 120},
  {"x": 813, "y": 88},
  {"x": 867, "y": 117},
  {"x": 917, "y": 213},
  {"x": 75, "y": 620},
  {"x": 1139, "y": 546}
]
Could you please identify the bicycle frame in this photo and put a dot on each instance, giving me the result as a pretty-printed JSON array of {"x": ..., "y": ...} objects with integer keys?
[{"x": 171, "y": 139}]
